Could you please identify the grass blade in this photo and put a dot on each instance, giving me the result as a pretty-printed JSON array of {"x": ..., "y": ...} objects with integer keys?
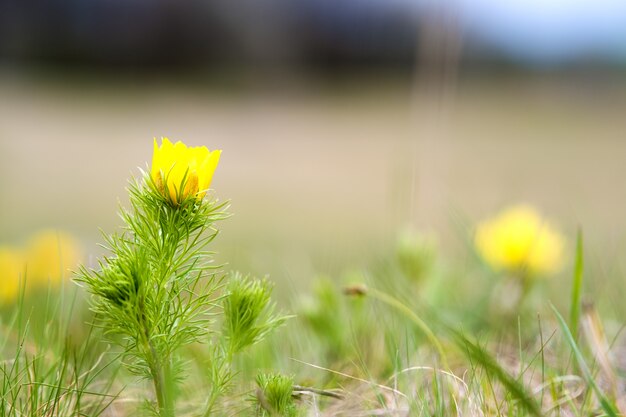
[
  {"x": 483, "y": 358},
  {"x": 574, "y": 317},
  {"x": 582, "y": 365}
]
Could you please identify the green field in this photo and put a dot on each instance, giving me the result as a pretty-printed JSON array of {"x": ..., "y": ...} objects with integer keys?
[{"x": 360, "y": 201}]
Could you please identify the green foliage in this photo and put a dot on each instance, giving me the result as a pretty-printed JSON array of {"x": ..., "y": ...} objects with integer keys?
[
  {"x": 608, "y": 407},
  {"x": 157, "y": 293},
  {"x": 156, "y": 289},
  {"x": 275, "y": 396},
  {"x": 350, "y": 356},
  {"x": 325, "y": 313},
  {"x": 248, "y": 313},
  {"x": 248, "y": 316},
  {"x": 481, "y": 357},
  {"x": 44, "y": 372},
  {"x": 193, "y": 333}
]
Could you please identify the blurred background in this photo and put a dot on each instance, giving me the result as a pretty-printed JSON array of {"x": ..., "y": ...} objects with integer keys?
[{"x": 341, "y": 123}]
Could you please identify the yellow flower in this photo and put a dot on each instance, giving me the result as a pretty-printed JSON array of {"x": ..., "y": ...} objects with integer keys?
[
  {"x": 182, "y": 171},
  {"x": 50, "y": 256},
  {"x": 519, "y": 240},
  {"x": 11, "y": 268}
]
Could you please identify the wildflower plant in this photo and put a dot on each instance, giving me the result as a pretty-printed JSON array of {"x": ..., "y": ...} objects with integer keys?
[
  {"x": 156, "y": 291},
  {"x": 248, "y": 316},
  {"x": 524, "y": 246}
]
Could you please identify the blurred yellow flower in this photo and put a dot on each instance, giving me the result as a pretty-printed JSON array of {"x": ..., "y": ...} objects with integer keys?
[
  {"x": 176, "y": 167},
  {"x": 519, "y": 240},
  {"x": 50, "y": 256},
  {"x": 11, "y": 268}
]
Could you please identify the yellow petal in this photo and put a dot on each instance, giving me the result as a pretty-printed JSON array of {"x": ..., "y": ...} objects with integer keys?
[
  {"x": 50, "y": 256},
  {"x": 11, "y": 269},
  {"x": 207, "y": 169}
]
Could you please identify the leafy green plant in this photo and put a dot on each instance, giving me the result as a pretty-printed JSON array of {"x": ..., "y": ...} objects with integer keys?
[
  {"x": 157, "y": 290},
  {"x": 275, "y": 396}
]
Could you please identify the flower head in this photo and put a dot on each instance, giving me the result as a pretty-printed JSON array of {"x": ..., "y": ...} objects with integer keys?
[
  {"x": 519, "y": 240},
  {"x": 180, "y": 171}
]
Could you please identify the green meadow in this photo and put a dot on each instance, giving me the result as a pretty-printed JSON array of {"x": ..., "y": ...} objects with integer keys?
[{"x": 386, "y": 251}]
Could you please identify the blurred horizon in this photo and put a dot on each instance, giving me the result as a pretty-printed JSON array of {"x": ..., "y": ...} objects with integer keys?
[
  {"x": 313, "y": 34},
  {"x": 342, "y": 124}
]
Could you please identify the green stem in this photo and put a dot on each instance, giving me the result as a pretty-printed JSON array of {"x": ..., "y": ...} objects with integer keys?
[
  {"x": 526, "y": 283},
  {"x": 164, "y": 400},
  {"x": 157, "y": 371},
  {"x": 220, "y": 385},
  {"x": 211, "y": 403}
]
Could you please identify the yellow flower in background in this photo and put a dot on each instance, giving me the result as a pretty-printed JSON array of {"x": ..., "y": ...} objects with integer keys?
[
  {"x": 519, "y": 240},
  {"x": 11, "y": 269},
  {"x": 50, "y": 256},
  {"x": 176, "y": 165}
]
